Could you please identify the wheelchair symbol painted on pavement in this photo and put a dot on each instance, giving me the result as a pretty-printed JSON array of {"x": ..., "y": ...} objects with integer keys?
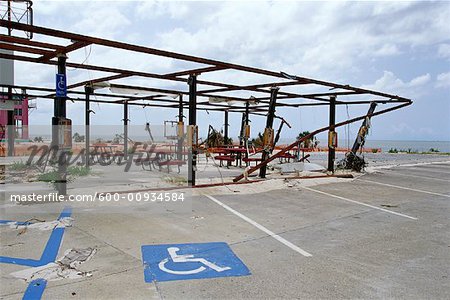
[
  {"x": 190, "y": 261},
  {"x": 188, "y": 258}
]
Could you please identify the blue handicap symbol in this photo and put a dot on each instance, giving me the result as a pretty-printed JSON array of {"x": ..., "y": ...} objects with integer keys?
[
  {"x": 190, "y": 261},
  {"x": 61, "y": 85}
]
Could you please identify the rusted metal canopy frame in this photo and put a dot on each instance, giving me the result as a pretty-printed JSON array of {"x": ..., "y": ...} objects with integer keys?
[
  {"x": 47, "y": 51},
  {"x": 315, "y": 132}
]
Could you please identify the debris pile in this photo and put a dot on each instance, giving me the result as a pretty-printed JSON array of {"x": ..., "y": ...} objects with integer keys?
[{"x": 65, "y": 267}]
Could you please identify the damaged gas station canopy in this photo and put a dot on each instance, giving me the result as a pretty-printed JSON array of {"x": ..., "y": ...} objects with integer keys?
[
  {"x": 264, "y": 92},
  {"x": 48, "y": 53}
]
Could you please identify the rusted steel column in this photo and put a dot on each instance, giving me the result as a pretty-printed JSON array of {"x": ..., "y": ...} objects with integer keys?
[
  {"x": 360, "y": 138},
  {"x": 269, "y": 130},
  {"x": 241, "y": 134},
  {"x": 125, "y": 130},
  {"x": 192, "y": 159},
  {"x": 88, "y": 91},
  {"x": 225, "y": 130},
  {"x": 10, "y": 128},
  {"x": 59, "y": 116},
  {"x": 180, "y": 127},
  {"x": 331, "y": 149}
]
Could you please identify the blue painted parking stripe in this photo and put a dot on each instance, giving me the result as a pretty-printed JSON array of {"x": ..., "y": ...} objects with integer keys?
[
  {"x": 51, "y": 249},
  {"x": 54, "y": 242},
  {"x": 20, "y": 261},
  {"x": 35, "y": 289},
  {"x": 14, "y": 222}
]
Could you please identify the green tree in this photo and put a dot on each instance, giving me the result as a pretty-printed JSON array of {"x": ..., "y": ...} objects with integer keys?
[
  {"x": 310, "y": 142},
  {"x": 258, "y": 142},
  {"x": 78, "y": 138},
  {"x": 38, "y": 139}
]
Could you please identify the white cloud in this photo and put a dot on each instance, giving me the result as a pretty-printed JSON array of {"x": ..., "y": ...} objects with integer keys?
[
  {"x": 153, "y": 9},
  {"x": 107, "y": 21},
  {"x": 387, "y": 50},
  {"x": 443, "y": 80},
  {"x": 444, "y": 51},
  {"x": 391, "y": 83}
]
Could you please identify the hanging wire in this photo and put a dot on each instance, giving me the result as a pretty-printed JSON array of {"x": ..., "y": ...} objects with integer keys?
[
  {"x": 86, "y": 57},
  {"x": 145, "y": 112}
]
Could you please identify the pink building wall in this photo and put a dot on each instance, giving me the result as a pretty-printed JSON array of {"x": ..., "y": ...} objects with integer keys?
[{"x": 24, "y": 118}]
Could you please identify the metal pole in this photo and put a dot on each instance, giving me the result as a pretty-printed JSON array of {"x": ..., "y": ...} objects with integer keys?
[
  {"x": 10, "y": 128},
  {"x": 241, "y": 135},
  {"x": 88, "y": 91},
  {"x": 360, "y": 138},
  {"x": 180, "y": 121},
  {"x": 269, "y": 125},
  {"x": 247, "y": 107},
  {"x": 226, "y": 128},
  {"x": 11, "y": 132},
  {"x": 125, "y": 130},
  {"x": 192, "y": 160},
  {"x": 9, "y": 17},
  {"x": 331, "y": 150},
  {"x": 59, "y": 114}
]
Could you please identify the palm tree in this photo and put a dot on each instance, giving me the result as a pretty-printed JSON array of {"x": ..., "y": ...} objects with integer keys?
[
  {"x": 78, "y": 138},
  {"x": 259, "y": 141},
  {"x": 310, "y": 142}
]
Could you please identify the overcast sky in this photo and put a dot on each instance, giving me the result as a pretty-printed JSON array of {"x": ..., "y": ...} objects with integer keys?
[{"x": 397, "y": 47}]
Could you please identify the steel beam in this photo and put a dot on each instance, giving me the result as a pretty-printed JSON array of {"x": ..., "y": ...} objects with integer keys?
[{"x": 179, "y": 56}]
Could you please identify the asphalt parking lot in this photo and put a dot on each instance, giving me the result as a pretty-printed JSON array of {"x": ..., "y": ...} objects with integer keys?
[{"x": 382, "y": 235}]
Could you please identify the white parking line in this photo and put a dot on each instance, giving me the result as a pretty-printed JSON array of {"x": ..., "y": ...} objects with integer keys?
[
  {"x": 262, "y": 228},
  {"x": 360, "y": 203},
  {"x": 405, "y": 188},
  {"x": 418, "y": 176},
  {"x": 430, "y": 170}
]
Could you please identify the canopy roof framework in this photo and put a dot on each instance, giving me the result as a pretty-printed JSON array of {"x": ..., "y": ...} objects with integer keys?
[{"x": 213, "y": 95}]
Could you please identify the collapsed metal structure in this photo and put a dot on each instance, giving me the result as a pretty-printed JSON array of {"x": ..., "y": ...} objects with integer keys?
[{"x": 271, "y": 91}]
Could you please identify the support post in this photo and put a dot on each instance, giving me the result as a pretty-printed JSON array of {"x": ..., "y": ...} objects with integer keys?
[
  {"x": 247, "y": 112},
  {"x": 192, "y": 160},
  {"x": 241, "y": 135},
  {"x": 180, "y": 121},
  {"x": 225, "y": 129},
  {"x": 269, "y": 125},
  {"x": 360, "y": 138},
  {"x": 332, "y": 123},
  {"x": 88, "y": 90},
  {"x": 11, "y": 130},
  {"x": 59, "y": 109},
  {"x": 125, "y": 130}
]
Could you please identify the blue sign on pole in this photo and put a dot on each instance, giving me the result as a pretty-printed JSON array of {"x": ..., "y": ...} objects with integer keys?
[
  {"x": 190, "y": 261},
  {"x": 61, "y": 85}
]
